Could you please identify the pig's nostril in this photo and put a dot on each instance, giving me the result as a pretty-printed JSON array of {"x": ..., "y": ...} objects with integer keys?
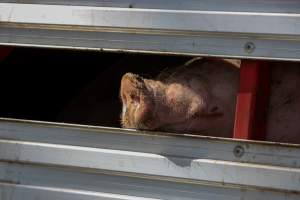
[{"x": 135, "y": 98}]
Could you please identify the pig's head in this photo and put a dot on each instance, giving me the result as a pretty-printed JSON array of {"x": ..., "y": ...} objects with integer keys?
[
  {"x": 176, "y": 107},
  {"x": 137, "y": 102}
]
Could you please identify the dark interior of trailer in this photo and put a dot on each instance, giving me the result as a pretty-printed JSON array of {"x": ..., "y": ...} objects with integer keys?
[
  {"x": 82, "y": 87},
  {"x": 71, "y": 86}
]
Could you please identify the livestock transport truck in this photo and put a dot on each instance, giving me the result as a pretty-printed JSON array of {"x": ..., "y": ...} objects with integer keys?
[{"x": 45, "y": 159}]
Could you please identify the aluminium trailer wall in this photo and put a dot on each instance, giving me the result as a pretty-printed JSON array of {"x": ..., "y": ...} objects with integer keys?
[
  {"x": 57, "y": 161},
  {"x": 62, "y": 161},
  {"x": 265, "y": 29}
]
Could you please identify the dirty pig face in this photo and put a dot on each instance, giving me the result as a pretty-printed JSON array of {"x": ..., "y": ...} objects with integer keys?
[
  {"x": 198, "y": 99},
  {"x": 137, "y": 103},
  {"x": 154, "y": 105}
]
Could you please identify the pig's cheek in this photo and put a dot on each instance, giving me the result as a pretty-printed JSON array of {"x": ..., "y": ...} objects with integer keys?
[
  {"x": 129, "y": 116},
  {"x": 143, "y": 116},
  {"x": 139, "y": 112}
]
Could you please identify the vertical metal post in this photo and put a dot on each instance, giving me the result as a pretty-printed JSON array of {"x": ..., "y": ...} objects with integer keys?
[{"x": 252, "y": 100}]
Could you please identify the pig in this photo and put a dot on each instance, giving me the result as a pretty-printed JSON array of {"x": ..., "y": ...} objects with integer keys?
[{"x": 199, "y": 97}]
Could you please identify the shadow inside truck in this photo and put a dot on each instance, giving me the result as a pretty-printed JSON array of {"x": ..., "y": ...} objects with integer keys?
[{"x": 71, "y": 86}]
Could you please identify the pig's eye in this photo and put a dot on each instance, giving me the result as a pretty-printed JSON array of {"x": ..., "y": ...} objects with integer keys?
[{"x": 214, "y": 109}]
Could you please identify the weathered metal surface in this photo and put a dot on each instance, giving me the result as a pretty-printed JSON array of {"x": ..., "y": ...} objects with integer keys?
[
  {"x": 214, "y": 29},
  {"x": 269, "y": 6},
  {"x": 40, "y": 182},
  {"x": 47, "y": 160}
]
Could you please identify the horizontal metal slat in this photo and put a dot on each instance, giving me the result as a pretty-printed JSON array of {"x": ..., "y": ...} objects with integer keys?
[
  {"x": 193, "y": 167},
  {"x": 194, "y": 32},
  {"x": 152, "y": 20},
  {"x": 153, "y": 143},
  {"x": 64, "y": 161},
  {"x": 151, "y": 164},
  {"x": 31, "y": 182},
  {"x": 290, "y": 6}
]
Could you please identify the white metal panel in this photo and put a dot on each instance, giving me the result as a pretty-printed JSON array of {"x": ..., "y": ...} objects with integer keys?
[
  {"x": 153, "y": 20},
  {"x": 275, "y": 6},
  {"x": 40, "y": 182},
  {"x": 161, "y": 143},
  {"x": 46, "y": 160},
  {"x": 153, "y": 164},
  {"x": 215, "y": 30}
]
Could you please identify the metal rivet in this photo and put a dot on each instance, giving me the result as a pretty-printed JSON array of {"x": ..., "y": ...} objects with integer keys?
[
  {"x": 238, "y": 151},
  {"x": 249, "y": 47}
]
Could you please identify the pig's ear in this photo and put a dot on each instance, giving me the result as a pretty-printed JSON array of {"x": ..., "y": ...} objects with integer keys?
[{"x": 136, "y": 99}]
